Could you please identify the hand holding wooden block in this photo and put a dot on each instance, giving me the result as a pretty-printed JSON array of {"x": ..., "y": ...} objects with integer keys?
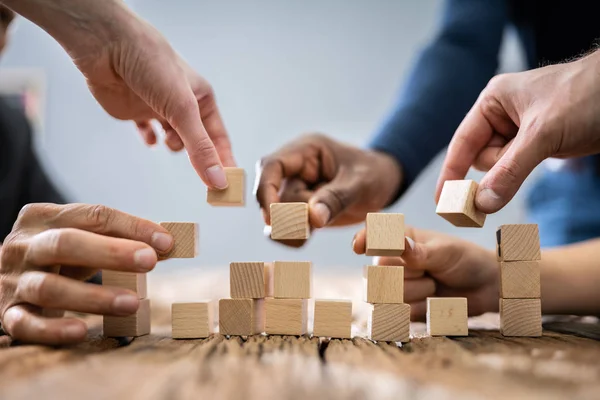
[
  {"x": 289, "y": 279},
  {"x": 247, "y": 280},
  {"x": 137, "y": 324},
  {"x": 234, "y": 194},
  {"x": 385, "y": 234},
  {"x": 518, "y": 242},
  {"x": 286, "y": 316},
  {"x": 384, "y": 284},
  {"x": 457, "y": 204},
  {"x": 390, "y": 323},
  {"x": 126, "y": 280},
  {"x": 333, "y": 318},
  {"x": 447, "y": 316},
  {"x": 241, "y": 317},
  {"x": 521, "y": 317},
  {"x": 289, "y": 221},
  {"x": 520, "y": 280},
  {"x": 192, "y": 320},
  {"x": 185, "y": 235}
]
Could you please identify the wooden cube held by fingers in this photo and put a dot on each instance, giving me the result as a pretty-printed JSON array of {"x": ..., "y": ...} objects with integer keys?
[
  {"x": 457, "y": 204},
  {"x": 521, "y": 317},
  {"x": 234, "y": 194},
  {"x": 289, "y": 279},
  {"x": 241, "y": 317},
  {"x": 389, "y": 323},
  {"x": 286, "y": 316},
  {"x": 247, "y": 280},
  {"x": 333, "y": 318},
  {"x": 518, "y": 242},
  {"x": 185, "y": 235},
  {"x": 384, "y": 284},
  {"x": 520, "y": 280},
  {"x": 447, "y": 316},
  {"x": 289, "y": 221},
  {"x": 385, "y": 234},
  {"x": 126, "y": 280},
  {"x": 134, "y": 325},
  {"x": 192, "y": 320}
]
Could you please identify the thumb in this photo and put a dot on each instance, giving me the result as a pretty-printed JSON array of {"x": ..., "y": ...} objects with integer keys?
[
  {"x": 503, "y": 180},
  {"x": 332, "y": 199}
]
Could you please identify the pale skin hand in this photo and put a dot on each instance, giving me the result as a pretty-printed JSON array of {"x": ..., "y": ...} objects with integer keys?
[
  {"x": 135, "y": 75},
  {"x": 438, "y": 265},
  {"x": 521, "y": 119},
  {"x": 52, "y": 250}
]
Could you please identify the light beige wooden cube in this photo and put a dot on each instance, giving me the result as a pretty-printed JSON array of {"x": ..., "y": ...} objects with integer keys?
[
  {"x": 286, "y": 316},
  {"x": 518, "y": 242},
  {"x": 447, "y": 316},
  {"x": 457, "y": 204},
  {"x": 241, "y": 317},
  {"x": 384, "y": 284},
  {"x": 234, "y": 194},
  {"x": 385, "y": 234},
  {"x": 134, "y": 325},
  {"x": 389, "y": 323},
  {"x": 289, "y": 221},
  {"x": 126, "y": 280},
  {"x": 247, "y": 280},
  {"x": 185, "y": 235},
  {"x": 289, "y": 279},
  {"x": 521, "y": 317},
  {"x": 192, "y": 320},
  {"x": 333, "y": 318},
  {"x": 520, "y": 280}
]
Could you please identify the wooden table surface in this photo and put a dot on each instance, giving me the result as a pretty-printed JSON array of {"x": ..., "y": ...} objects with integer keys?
[{"x": 484, "y": 365}]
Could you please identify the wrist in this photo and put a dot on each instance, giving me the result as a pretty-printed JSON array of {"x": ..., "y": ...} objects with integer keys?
[{"x": 389, "y": 177}]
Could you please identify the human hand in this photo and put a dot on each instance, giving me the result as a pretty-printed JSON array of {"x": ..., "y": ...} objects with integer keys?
[
  {"x": 521, "y": 119},
  {"x": 52, "y": 249},
  {"x": 438, "y": 265},
  {"x": 341, "y": 183}
]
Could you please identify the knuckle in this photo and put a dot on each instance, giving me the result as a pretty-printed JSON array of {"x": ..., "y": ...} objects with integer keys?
[
  {"x": 35, "y": 213},
  {"x": 13, "y": 251},
  {"x": 47, "y": 245},
  {"x": 204, "y": 148},
  {"x": 100, "y": 217},
  {"x": 338, "y": 199}
]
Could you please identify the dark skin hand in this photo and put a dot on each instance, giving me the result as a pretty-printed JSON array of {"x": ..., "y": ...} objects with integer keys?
[{"x": 341, "y": 183}]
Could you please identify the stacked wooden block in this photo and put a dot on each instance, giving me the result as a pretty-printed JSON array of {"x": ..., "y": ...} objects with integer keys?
[
  {"x": 137, "y": 324},
  {"x": 518, "y": 250},
  {"x": 384, "y": 285}
]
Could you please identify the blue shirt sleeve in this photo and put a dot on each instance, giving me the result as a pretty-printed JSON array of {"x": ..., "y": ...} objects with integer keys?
[{"x": 444, "y": 83}]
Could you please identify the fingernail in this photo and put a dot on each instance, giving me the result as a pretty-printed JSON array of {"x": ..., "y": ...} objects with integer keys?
[
  {"x": 145, "y": 259},
  {"x": 126, "y": 304},
  {"x": 411, "y": 243},
  {"x": 323, "y": 212},
  {"x": 216, "y": 176},
  {"x": 376, "y": 260},
  {"x": 73, "y": 331},
  {"x": 161, "y": 241},
  {"x": 267, "y": 231},
  {"x": 489, "y": 200}
]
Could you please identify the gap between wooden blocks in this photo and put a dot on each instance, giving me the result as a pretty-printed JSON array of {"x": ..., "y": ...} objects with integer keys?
[
  {"x": 385, "y": 234},
  {"x": 185, "y": 235},
  {"x": 235, "y": 193},
  {"x": 457, "y": 204}
]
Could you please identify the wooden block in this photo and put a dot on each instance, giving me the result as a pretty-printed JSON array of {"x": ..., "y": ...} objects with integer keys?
[
  {"x": 447, "y": 316},
  {"x": 137, "y": 324},
  {"x": 520, "y": 280},
  {"x": 384, "y": 284},
  {"x": 289, "y": 279},
  {"x": 385, "y": 234},
  {"x": 389, "y": 323},
  {"x": 241, "y": 317},
  {"x": 286, "y": 316},
  {"x": 333, "y": 318},
  {"x": 457, "y": 204},
  {"x": 234, "y": 195},
  {"x": 518, "y": 242},
  {"x": 521, "y": 317},
  {"x": 186, "y": 239},
  {"x": 192, "y": 320},
  {"x": 247, "y": 280},
  {"x": 126, "y": 280},
  {"x": 289, "y": 221}
]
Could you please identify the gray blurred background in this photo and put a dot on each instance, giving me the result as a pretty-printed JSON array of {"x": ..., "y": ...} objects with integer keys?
[{"x": 279, "y": 68}]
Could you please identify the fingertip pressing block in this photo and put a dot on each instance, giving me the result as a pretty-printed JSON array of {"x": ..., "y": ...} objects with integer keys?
[
  {"x": 289, "y": 221},
  {"x": 185, "y": 235},
  {"x": 286, "y": 316},
  {"x": 289, "y": 279},
  {"x": 241, "y": 317},
  {"x": 457, "y": 204},
  {"x": 520, "y": 280},
  {"x": 192, "y": 320},
  {"x": 247, "y": 280},
  {"x": 137, "y": 324},
  {"x": 384, "y": 284},
  {"x": 333, "y": 318},
  {"x": 447, "y": 316},
  {"x": 126, "y": 280},
  {"x": 389, "y": 323},
  {"x": 518, "y": 242},
  {"x": 385, "y": 234},
  {"x": 234, "y": 194},
  {"x": 521, "y": 317}
]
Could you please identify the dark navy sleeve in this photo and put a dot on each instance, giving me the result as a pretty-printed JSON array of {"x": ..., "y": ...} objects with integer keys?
[{"x": 444, "y": 83}]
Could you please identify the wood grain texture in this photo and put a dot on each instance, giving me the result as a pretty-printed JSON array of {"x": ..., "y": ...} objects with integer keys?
[
  {"x": 447, "y": 316},
  {"x": 235, "y": 194},
  {"x": 185, "y": 235},
  {"x": 385, "y": 234},
  {"x": 126, "y": 280},
  {"x": 333, "y": 318},
  {"x": 384, "y": 284},
  {"x": 520, "y": 280},
  {"x": 241, "y": 317},
  {"x": 247, "y": 280},
  {"x": 518, "y": 242},
  {"x": 192, "y": 320},
  {"x": 286, "y": 316},
  {"x": 390, "y": 323},
  {"x": 134, "y": 325},
  {"x": 457, "y": 204},
  {"x": 289, "y": 279},
  {"x": 289, "y": 221},
  {"x": 521, "y": 317}
]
